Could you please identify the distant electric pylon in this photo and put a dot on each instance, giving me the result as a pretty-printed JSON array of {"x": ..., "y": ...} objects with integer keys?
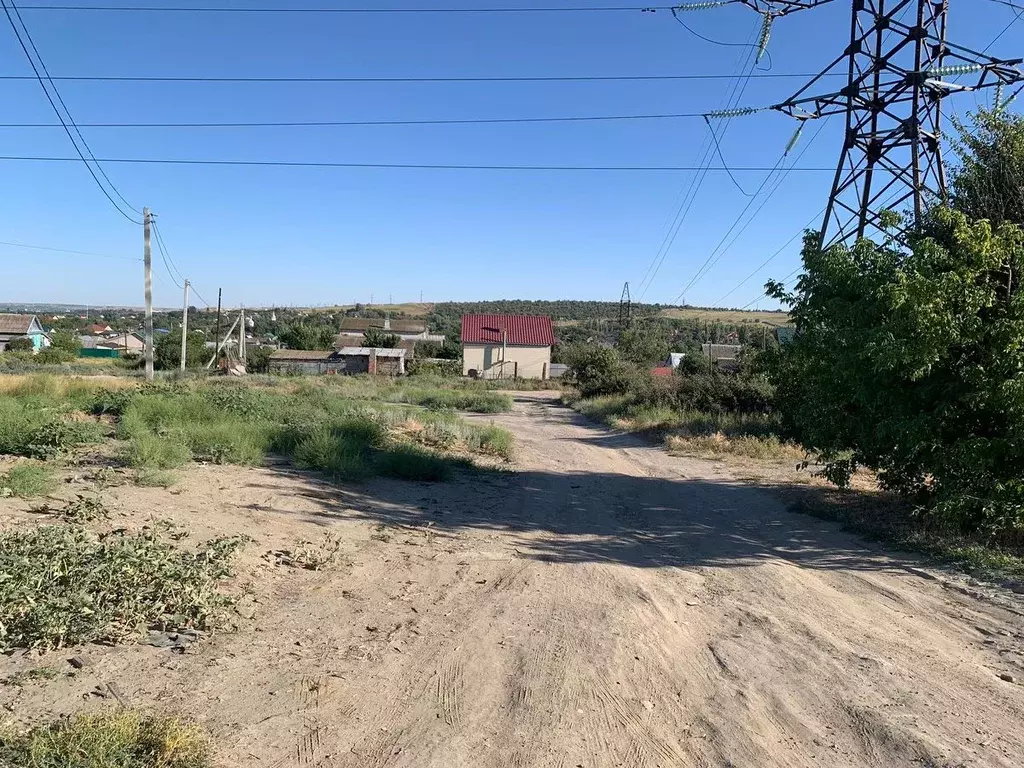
[{"x": 625, "y": 307}]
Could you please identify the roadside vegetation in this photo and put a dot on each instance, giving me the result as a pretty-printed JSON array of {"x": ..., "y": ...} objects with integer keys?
[
  {"x": 700, "y": 409},
  {"x": 122, "y": 739},
  {"x": 62, "y": 585},
  {"x": 908, "y": 361},
  {"x": 905, "y": 366},
  {"x": 349, "y": 428}
]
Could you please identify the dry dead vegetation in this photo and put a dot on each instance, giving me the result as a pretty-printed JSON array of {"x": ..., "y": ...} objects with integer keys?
[{"x": 597, "y": 603}]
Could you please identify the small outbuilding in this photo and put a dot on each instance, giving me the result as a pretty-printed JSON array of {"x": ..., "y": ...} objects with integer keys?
[
  {"x": 507, "y": 346},
  {"x": 345, "y": 361}
]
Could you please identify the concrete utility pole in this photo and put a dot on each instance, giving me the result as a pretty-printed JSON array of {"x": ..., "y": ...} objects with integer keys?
[
  {"x": 217, "y": 337},
  {"x": 241, "y": 337},
  {"x": 184, "y": 328},
  {"x": 147, "y": 258}
]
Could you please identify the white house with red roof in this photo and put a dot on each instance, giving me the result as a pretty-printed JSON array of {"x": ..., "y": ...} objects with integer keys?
[{"x": 507, "y": 346}]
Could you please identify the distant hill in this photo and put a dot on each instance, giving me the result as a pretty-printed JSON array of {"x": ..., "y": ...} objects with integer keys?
[
  {"x": 727, "y": 315},
  {"x": 568, "y": 312}
]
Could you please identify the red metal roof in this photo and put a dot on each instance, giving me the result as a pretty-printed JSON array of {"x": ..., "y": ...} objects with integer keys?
[{"x": 525, "y": 330}]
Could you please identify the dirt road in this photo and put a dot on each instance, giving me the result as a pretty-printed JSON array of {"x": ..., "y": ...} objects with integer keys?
[{"x": 603, "y": 604}]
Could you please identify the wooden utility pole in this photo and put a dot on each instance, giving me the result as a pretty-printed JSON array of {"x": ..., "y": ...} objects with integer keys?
[
  {"x": 147, "y": 258},
  {"x": 184, "y": 328}
]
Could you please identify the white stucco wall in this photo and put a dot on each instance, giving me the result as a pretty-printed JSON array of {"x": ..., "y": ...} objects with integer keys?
[{"x": 486, "y": 359}]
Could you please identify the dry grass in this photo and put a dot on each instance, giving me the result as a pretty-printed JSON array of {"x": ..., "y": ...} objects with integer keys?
[
  {"x": 59, "y": 386},
  {"x": 727, "y": 316},
  {"x": 123, "y": 739},
  {"x": 412, "y": 309},
  {"x": 748, "y": 446}
]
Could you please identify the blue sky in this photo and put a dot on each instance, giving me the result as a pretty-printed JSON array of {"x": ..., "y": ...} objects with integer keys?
[{"x": 326, "y": 235}]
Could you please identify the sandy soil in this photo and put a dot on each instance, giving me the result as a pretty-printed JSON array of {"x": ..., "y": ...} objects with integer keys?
[{"x": 600, "y": 604}]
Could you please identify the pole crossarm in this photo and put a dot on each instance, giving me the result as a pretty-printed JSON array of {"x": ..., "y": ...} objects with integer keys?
[
  {"x": 768, "y": 8},
  {"x": 779, "y": 8},
  {"x": 899, "y": 69}
]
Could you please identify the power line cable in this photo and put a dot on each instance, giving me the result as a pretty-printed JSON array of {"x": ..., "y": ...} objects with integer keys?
[
  {"x": 784, "y": 280},
  {"x": 165, "y": 254},
  {"x": 757, "y": 298},
  {"x": 56, "y": 110},
  {"x": 738, "y": 88},
  {"x": 707, "y": 262},
  {"x": 350, "y": 11},
  {"x": 67, "y": 112},
  {"x": 166, "y": 260},
  {"x": 674, "y": 221},
  {"x": 413, "y": 79},
  {"x": 1020, "y": 11},
  {"x": 411, "y": 166},
  {"x": 64, "y": 250},
  {"x": 695, "y": 33},
  {"x": 338, "y": 123},
  {"x": 721, "y": 158},
  {"x": 723, "y": 246},
  {"x": 770, "y": 259}
]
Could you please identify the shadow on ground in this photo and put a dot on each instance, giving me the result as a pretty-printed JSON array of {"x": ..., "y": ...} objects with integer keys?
[{"x": 593, "y": 517}]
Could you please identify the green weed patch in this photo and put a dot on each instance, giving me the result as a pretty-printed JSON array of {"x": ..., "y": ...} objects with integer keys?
[
  {"x": 123, "y": 739},
  {"x": 61, "y": 585}
]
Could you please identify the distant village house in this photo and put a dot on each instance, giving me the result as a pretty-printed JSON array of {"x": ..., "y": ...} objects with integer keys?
[
  {"x": 22, "y": 327},
  {"x": 507, "y": 346}
]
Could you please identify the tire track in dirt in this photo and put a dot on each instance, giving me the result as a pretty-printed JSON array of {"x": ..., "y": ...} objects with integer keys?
[{"x": 449, "y": 689}]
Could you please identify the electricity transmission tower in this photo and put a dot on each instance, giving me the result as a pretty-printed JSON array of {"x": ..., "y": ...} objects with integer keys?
[
  {"x": 897, "y": 65},
  {"x": 625, "y": 307}
]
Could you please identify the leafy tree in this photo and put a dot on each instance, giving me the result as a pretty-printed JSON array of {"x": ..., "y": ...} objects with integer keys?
[
  {"x": 308, "y": 336},
  {"x": 644, "y": 344},
  {"x": 167, "y": 350},
  {"x": 257, "y": 359},
  {"x": 20, "y": 344},
  {"x": 596, "y": 370},
  {"x": 67, "y": 341},
  {"x": 987, "y": 182},
  {"x": 433, "y": 350},
  {"x": 911, "y": 363},
  {"x": 375, "y": 337}
]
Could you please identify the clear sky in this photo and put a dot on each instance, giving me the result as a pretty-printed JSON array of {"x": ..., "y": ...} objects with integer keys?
[{"x": 307, "y": 236}]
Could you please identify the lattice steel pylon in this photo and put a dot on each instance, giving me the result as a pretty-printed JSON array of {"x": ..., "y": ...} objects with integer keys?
[
  {"x": 892, "y": 150},
  {"x": 625, "y": 307}
]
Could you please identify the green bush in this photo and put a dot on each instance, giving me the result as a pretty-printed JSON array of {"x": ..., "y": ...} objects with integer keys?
[
  {"x": 60, "y": 585},
  {"x": 461, "y": 400},
  {"x": 66, "y": 341},
  {"x": 411, "y": 462},
  {"x": 21, "y": 344},
  {"x": 121, "y": 739},
  {"x": 257, "y": 359},
  {"x": 167, "y": 350},
  {"x": 28, "y": 479},
  {"x": 496, "y": 441},
  {"x": 30, "y": 427},
  {"x": 433, "y": 367},
  {"x": 55, "y": 356},
  {"x": 909, "y": 363},
  {"x": 342, "y": 453},
  {"x": 597, "y": 370},
  {"x": 149, "y": 451}
]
